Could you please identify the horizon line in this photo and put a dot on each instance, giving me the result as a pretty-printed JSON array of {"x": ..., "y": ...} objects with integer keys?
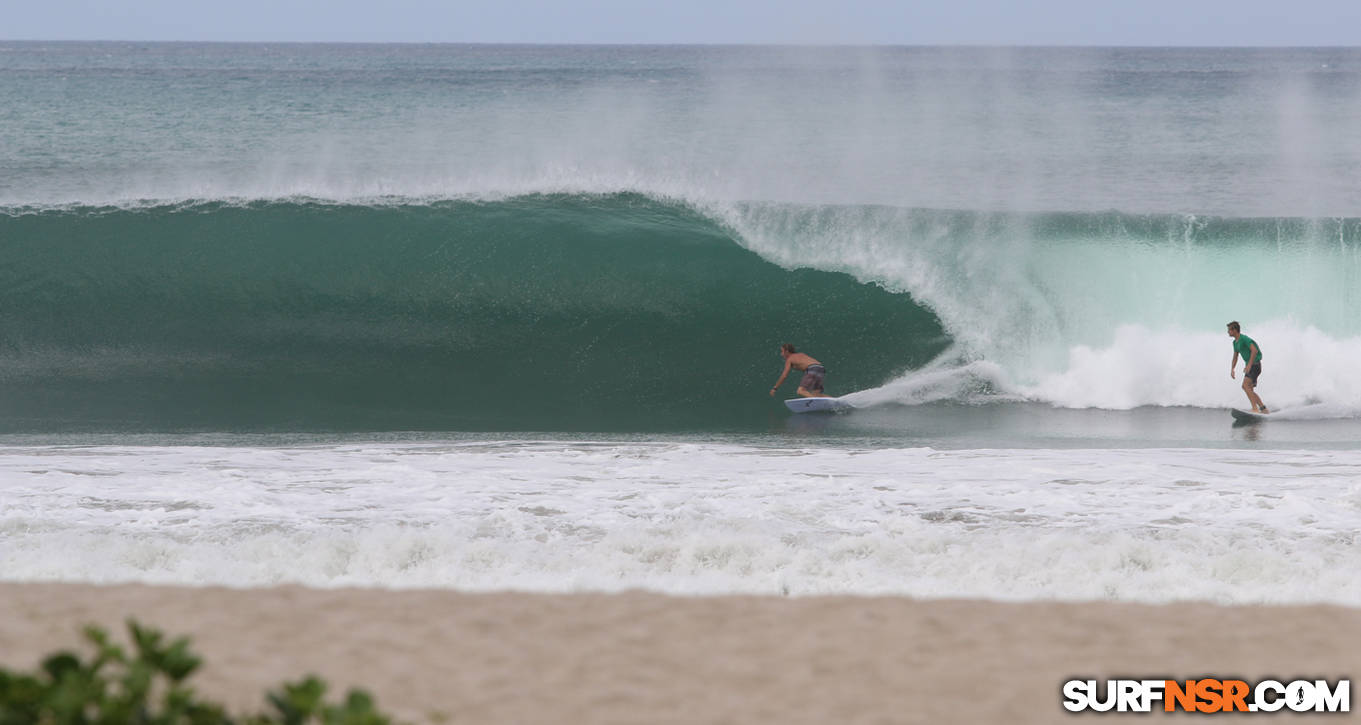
[{"x": 754, "y": 44}]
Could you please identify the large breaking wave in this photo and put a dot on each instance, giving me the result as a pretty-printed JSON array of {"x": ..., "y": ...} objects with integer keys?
[
  {"x": 541, "y": 312},
  {"x": 630, "y": 312}
]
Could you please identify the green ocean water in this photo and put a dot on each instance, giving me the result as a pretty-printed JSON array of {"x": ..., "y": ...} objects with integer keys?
[
  {"x": 278, "y": 237},
  {"x": 599, "y": 312},
  {"x": 544, "y": 312}
]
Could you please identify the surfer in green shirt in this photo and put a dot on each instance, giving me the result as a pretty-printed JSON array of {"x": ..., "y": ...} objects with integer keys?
[{"x": 1252, "y": 365}]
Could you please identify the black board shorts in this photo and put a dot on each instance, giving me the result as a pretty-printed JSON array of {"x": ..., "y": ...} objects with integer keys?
[{"x": 1253, "y": 372}]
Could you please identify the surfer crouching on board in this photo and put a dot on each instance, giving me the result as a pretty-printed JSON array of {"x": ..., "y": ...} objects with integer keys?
[
  {"x": 813, "y": 372},
  {"x": 1252, "y": 365}
]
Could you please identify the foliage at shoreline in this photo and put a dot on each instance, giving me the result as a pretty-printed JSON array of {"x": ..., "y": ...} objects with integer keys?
[{"x": 150, "y": 687}]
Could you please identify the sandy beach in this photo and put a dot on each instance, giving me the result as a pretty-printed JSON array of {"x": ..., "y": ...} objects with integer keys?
[{"x": 437, "y": 656}]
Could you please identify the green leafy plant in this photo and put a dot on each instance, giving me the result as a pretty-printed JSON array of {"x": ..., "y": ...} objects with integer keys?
[{"x": 150, "y": 688}]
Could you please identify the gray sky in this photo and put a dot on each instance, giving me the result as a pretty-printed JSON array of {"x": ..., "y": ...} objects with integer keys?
[{"x": 919, "y": 22}]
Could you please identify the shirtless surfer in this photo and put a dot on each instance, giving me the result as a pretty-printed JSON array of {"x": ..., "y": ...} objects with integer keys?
[
  {"x": 1252, "y": 365},
  {"x": 813, "y": 372}
]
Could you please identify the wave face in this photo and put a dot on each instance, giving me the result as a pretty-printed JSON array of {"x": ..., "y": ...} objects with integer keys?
[
  {"x": 627, "y": 312},
  {"x": 542, "y": 312}
]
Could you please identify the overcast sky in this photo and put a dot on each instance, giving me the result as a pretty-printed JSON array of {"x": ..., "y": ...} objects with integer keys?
[{"x": 915, "y": 22}]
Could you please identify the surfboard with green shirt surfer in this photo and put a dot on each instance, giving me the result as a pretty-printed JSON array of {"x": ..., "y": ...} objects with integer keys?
[{"x": 1252, "y": 365}]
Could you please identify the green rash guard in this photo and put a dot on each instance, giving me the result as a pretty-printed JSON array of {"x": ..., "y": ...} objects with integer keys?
[{"x": 1243, "y": 346}]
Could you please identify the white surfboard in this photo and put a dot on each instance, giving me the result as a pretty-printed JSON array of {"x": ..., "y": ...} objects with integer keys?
[{"x": 817, "y": 405}]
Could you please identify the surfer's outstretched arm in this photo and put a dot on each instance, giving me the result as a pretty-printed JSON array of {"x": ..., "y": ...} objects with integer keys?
[{"x": 783, "y": 374}]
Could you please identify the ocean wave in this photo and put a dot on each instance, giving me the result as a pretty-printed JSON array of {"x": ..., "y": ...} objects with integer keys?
[
  {"x": 586, "y": 311},
  {"x": 626, "y": 311}
]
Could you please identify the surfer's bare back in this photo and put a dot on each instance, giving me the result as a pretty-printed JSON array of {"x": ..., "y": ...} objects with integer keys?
[{"x": 813, "y": 372}]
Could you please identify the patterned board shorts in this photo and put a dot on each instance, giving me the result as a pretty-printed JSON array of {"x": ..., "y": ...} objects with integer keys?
[{"x": 812, "y": 378}]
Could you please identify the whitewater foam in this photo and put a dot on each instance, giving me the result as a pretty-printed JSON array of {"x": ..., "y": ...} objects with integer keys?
[
  {"x": 1109, "y": 311},
  {"x": 1307, "y": 375},
  {"x": 945, "y": 378},
  {"x": 692, "y": 518}
]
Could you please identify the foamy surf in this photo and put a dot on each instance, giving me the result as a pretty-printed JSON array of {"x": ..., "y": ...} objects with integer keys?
[
  {"x": 693, "y": 518},
  {"x": 1308, "y": 376}
]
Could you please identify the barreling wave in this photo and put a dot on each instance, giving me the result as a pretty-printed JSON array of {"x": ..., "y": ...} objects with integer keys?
[
  {"x": 614, "y": 312},
  {"x": 628, "y": 312},
  {"x": 1104, "y": 310}
]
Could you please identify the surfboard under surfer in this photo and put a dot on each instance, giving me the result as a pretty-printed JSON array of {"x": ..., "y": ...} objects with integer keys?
[
  {"x": 813, "y": 372},
  {"x": 1252, "y": 364}
]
